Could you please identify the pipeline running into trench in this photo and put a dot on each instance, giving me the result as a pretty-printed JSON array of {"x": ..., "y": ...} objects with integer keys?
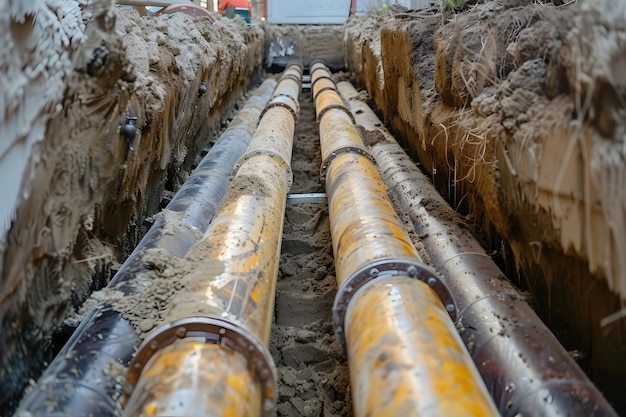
[
  {"x": 393, "y": 314},
  {"x": 528, "y": 372},
  {"x": 80, "y": 381},
  {"x": 404, "y": 354}
]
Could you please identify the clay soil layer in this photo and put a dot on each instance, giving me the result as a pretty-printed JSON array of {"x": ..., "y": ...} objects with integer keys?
[{"x": 517, "y": 111}]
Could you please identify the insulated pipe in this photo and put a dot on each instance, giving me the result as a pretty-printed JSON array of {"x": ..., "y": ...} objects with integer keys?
[
  {"x": 211, "y": 357},
  {"x": 527, "y": 371},
  {"x": 406, "y": 358},
  {"x": 81, "y": 379}
]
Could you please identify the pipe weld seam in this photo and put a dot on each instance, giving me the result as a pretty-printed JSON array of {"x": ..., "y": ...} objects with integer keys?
[
  {"x": 512, "y": 294},
  {"x": 285, "y": 101},
  {"x": 458, "y": 255},
  {"x": 269, "y": 153},
  {"x": 340, "y": 151},
  {"x": 382, "y": 269},
  {"x": 210, "y": 330}
]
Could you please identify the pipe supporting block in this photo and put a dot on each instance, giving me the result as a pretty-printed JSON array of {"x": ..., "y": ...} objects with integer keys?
[
  {"x": 381, "y": 269},
  {"x": 212, "y": 330}
]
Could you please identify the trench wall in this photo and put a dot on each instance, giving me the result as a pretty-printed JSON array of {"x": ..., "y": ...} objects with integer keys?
[
  {"x": 517, "y": 111},
  {"x": 72, "y": 71}
]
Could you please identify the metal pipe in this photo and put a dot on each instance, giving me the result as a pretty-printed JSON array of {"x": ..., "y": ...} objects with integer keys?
[
  {"x": 80, "y": 380},
  {"x": 406, "y": 359},
  {"x": 527, "y": 371},
  {"x": 229, "y": 298}
]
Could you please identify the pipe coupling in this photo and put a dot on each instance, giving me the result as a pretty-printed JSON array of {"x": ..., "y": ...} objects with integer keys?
[
  {"x": 322, "y": 83},
  {"x": 270, "y": 153},
  {"x": 338, "y": 105},
  {"x": 216, "y": 331},
  {"x": 381, "y": 269},
  {"x": 339, "y": 151},
  {"x": 283, "y": 100}
]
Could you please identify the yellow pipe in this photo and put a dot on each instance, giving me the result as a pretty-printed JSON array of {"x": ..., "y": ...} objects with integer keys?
[
  {"x": 321, "y": 84},
  {"x": 405, "y": 356},
  {"x": 410, "y": 361},
  {"x": 189, "y": 363},
  {"x": 228, "y": 301},
  {"x": 364, "y": 224}
]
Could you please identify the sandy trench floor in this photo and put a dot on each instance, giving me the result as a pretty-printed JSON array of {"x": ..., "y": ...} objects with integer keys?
[{"x": 312, "y": 371}]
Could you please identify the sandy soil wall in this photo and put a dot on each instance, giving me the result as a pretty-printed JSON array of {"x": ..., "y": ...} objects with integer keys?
[
  {"x": 72, "y": 72},
  {"x": 285, "y": 43},
  {"x": 517, "y": 110}
]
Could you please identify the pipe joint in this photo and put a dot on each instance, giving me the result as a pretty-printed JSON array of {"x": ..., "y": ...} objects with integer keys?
[
  {"x": 210, "y": 330},
  {"x": 283, "y": 100},
  {"x": 321, "y": 84},
  {"x": 334, "y": 106},
  {"x": 317, "y": 64},
  {"x": 381, "y": 269},
  {"x": 279, "y": 160},
  {"x": 340, "y": 151}
]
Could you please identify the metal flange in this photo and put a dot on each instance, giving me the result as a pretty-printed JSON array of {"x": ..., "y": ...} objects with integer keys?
[
  {"x": 283, "y": 100},
  {"x": 338, "y": 107},
  {"x": 265, "y": 152},
  {"x": 215, "y": 331},
  {"x": 381, "y": 269},
  {"x": 339, "y": 151}
]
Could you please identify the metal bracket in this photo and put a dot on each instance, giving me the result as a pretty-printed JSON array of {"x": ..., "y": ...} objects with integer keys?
[
  {"x": 381, "y": 269},
  {"x": 309, "y": 198}
]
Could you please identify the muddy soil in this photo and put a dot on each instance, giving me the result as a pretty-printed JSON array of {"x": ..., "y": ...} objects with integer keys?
[{"x": 516, "y": 111}]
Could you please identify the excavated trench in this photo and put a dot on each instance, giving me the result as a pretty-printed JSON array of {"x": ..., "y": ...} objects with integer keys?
[{"x": 478, "y": 98}]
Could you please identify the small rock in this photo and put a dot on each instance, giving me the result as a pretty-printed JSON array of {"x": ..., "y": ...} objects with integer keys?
[{"x": 146, "y": 325}]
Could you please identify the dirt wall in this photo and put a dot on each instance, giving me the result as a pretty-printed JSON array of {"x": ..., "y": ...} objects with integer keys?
[
  {"x": 73, "y": 72},
  {"x": 285, "y": 43},
  {"x": 516, "y": 110}
]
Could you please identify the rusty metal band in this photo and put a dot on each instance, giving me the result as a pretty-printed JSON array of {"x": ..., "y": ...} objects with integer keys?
[
  {"x": 297, "y": 64},
  {"x": 317, "y": 65},
  {"x": 283, "y": 100},
  {"x": 263, "y": 152},
  {"x": 215, "y": 331},
  {"x": 337, "y": 107},
  {"x": 381, "y": 269},
  {"x": 291, "y": 77},
  {"x": 340, "y": 151},
  {"x": 323, "y": 77}
]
